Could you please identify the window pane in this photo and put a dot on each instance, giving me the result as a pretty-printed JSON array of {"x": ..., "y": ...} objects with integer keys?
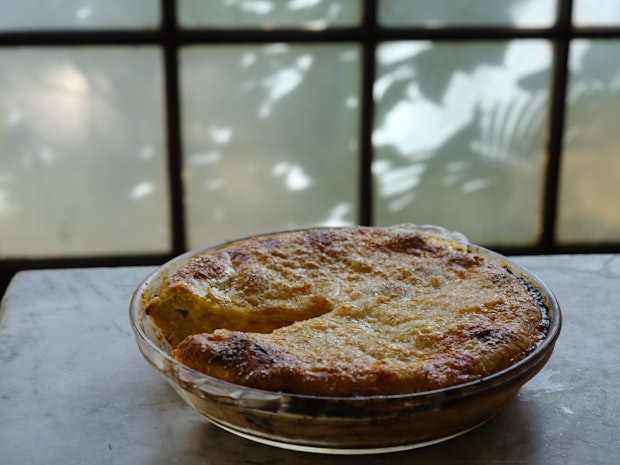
[
  {"x": 270, "y": 138},
  {"x": 596, "y": 12},
  {"x": 78, "y": 14},
  {"x": 590, "y": 177},
  {"x": 438, "y": 13},
  {"x": 82, "y": 169},
  {"x": 267, "y": 14},
  {"x": 459, "y": 137}
]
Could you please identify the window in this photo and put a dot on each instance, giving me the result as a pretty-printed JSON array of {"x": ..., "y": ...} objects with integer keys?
[{"x": 131, "y": 131}]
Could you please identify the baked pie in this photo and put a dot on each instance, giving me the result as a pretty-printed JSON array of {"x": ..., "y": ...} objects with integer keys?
[{"x": 353, "y": 311}]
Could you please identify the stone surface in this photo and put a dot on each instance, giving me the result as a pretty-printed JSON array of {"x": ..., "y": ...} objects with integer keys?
[{"x": 74, "y": 388}]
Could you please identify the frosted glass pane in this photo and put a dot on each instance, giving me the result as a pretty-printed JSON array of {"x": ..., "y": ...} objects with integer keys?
[
  {"x": 270, "y": 138},
  {"x": 82, "y": 168},
  {"x": 78, "y": 14},
  {"x": 590, "y": 177},
  {"x": 460, "y": 137},
  {"x": 596, "y": 12},
  {"x": 438, "y": 13},
  {"x": 268, "y": 14}
]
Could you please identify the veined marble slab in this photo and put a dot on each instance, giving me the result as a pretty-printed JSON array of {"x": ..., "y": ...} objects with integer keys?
[{"x": 74, "y": 388}]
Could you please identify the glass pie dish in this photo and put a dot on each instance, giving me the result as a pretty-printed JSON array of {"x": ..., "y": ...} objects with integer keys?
[{"x": 345, "y": 425}]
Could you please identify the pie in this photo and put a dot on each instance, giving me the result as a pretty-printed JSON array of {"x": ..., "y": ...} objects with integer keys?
[{"x": 352, "y": 311}]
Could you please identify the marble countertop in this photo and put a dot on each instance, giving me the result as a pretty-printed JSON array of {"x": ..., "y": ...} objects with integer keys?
[{"x": 74, "y": 388}]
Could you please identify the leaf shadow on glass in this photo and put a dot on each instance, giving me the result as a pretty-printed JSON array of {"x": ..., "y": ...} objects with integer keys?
[
  {"x": 590, "y": 165},
  {"x": 473, "y": 122},
  {"x": 269, "y": 144}
]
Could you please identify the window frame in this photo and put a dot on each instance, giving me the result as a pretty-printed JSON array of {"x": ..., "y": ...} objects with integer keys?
[{"x": 171, "y": 38}]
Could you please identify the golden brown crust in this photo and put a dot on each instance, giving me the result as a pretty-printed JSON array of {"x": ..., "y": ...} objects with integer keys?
[{"x": 349, "y": 311}]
